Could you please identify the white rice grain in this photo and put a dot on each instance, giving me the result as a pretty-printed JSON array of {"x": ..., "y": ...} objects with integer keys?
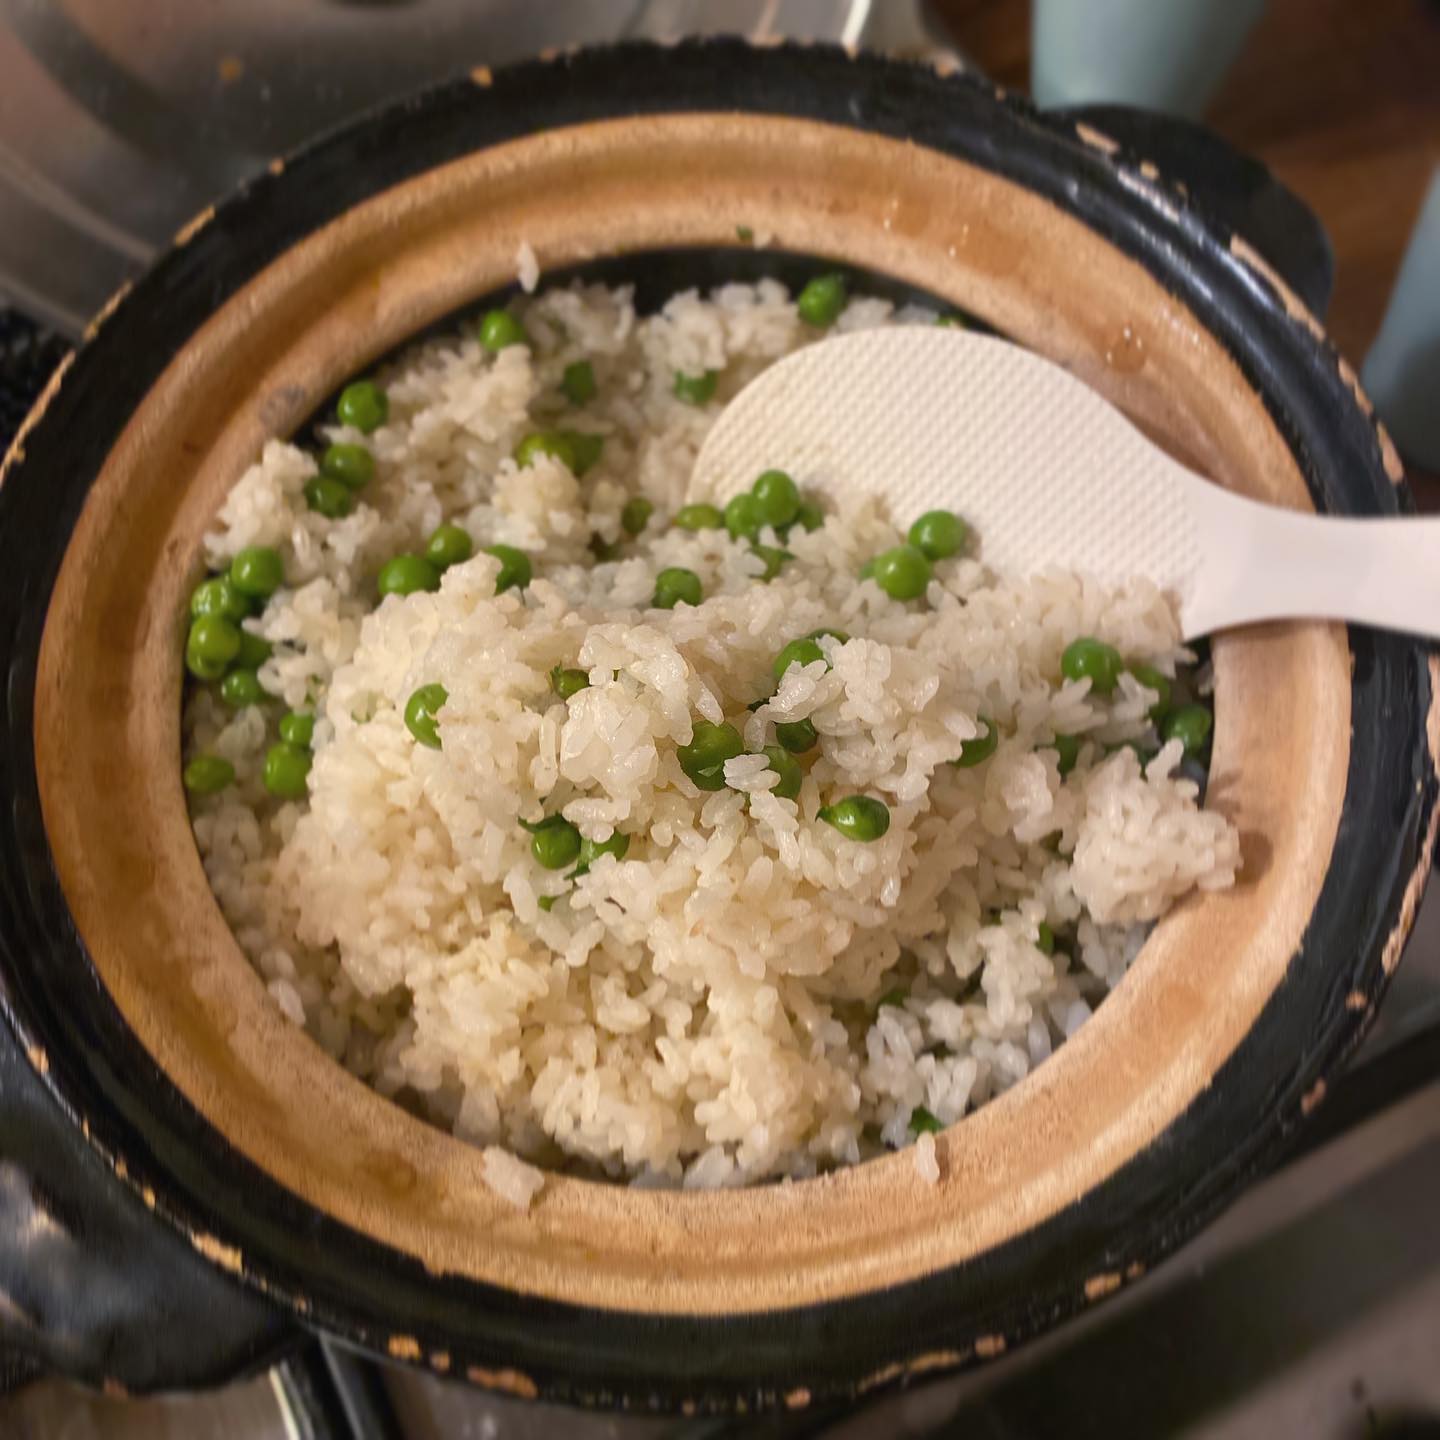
[
  {"x": 527, "y": 268},
  {"x": 927, "y": 1166},
  {"x": 744, "y": 993},
  {"x": 511, "y": 1179}
]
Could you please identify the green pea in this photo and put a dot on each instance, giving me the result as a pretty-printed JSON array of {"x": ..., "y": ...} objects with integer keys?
[
  {"x": 785, "y": 766},
  {"x": 242, "y": 687},
  {"x": 329, "y": 497},
  {"x": 1044, "y": 939},
  {"x": 207, "y": 774},
  {"x": 775, "y": 560},
  {"x": 777, "y": 498},
  {"x": 696, "y": 389},
  {"x": 953, "y": 321},
  {"x": 1152, "y": 679},
  {"x": 922, "y": 1122},
  {"x": 546, "y": 442},
  {"x": 547, "y": 902},
  {"x": 448, "y": 545},
  {"x": 1093, "y": 660},
  {"x": 253, "y": 651},
  {"x": 898, "y": 996},
  {"x": 938, "y": 534},
  {"x": 515, "y": 569},
  {"x": 217, "y": 596},
  {"x": 566, "y": 683},
  {"x": 809, "y": 516},
  {"x": 1067, "y": 747},
  {"x": 700, "y": 517},
  {"x": 213, "y": 642},
  {"x": 287, "y": 767},
  {"x": 405, "y": 574},
  {"x": 703, "y": 759},
  {"x": 554, "y": 842},
  {"x": 711, "y": 779},
  {"x": 420, "y": 711},
  {"x": 797, "y": 736},
  {"x": 981, "y": 748},
  {"x": 364, "y": 405},
  {"x": 822, "y": 300},
  {"x": 298, "y": 728},
  {"x": 902, "y": 573},
  {"x": 1190, "y": 725},
  {"x": 744, "y": 234},
  {"x": 578, "y": 382},
  {"x": 804, "y": 651},
  {"x": 586, "y": 448},
  {"x": 858, "y": 817},
  {"x": 592, "y": 850},
  {"x": 257, "y": 571},
  {"x": 499, "y": 329},
  {"x": 674, "y": 585},
  {"x": 636, "y": 515},
  {"x": 351, "y": 465},
  {"x": 742, "y": 518}
]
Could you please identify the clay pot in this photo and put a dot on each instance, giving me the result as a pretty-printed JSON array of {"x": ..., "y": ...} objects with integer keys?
[{"x": 131, "y": 996}]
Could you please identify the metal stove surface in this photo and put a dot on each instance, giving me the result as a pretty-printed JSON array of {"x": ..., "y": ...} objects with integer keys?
[{"x": 122, "y": 119}]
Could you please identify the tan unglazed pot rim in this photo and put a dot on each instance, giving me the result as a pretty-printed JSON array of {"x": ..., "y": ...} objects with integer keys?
[{"x": 321, "y": 310}]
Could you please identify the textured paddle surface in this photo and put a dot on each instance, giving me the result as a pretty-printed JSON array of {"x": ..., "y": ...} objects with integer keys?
[{"x": 1044, "y": 470}]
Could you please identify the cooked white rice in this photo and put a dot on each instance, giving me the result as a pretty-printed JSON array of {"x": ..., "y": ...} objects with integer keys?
[
  {"x": 527, "y": 267},
  {"x": 705, "y": 1010},
  {"x": 927, "y": 1165}
]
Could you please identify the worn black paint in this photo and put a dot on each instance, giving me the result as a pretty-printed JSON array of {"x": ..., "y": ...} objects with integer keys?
[
  {"x": 1228, "y": 189},
  {"x": 364, "y": 1291}
]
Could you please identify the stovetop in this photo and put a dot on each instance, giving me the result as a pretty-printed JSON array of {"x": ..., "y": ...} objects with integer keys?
[{"x": 122, "y": 119}]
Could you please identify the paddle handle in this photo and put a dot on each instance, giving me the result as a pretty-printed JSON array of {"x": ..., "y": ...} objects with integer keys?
[{"x": 1265, "y": 563}]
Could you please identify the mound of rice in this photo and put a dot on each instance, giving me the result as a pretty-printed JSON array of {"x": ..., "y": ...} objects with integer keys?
[{"x": 707, "y": 1010}]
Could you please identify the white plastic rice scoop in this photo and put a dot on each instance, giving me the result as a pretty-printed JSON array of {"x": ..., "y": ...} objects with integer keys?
[{"x": 1047, "y": 473}]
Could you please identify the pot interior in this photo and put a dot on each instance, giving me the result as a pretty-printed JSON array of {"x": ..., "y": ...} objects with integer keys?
[{"x": 619, "y": 198}]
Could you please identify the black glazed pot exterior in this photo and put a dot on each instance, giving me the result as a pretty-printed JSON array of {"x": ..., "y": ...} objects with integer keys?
[
  {"x": 337, "y": 1280},
  {"x": 90, "y": 1286}
]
